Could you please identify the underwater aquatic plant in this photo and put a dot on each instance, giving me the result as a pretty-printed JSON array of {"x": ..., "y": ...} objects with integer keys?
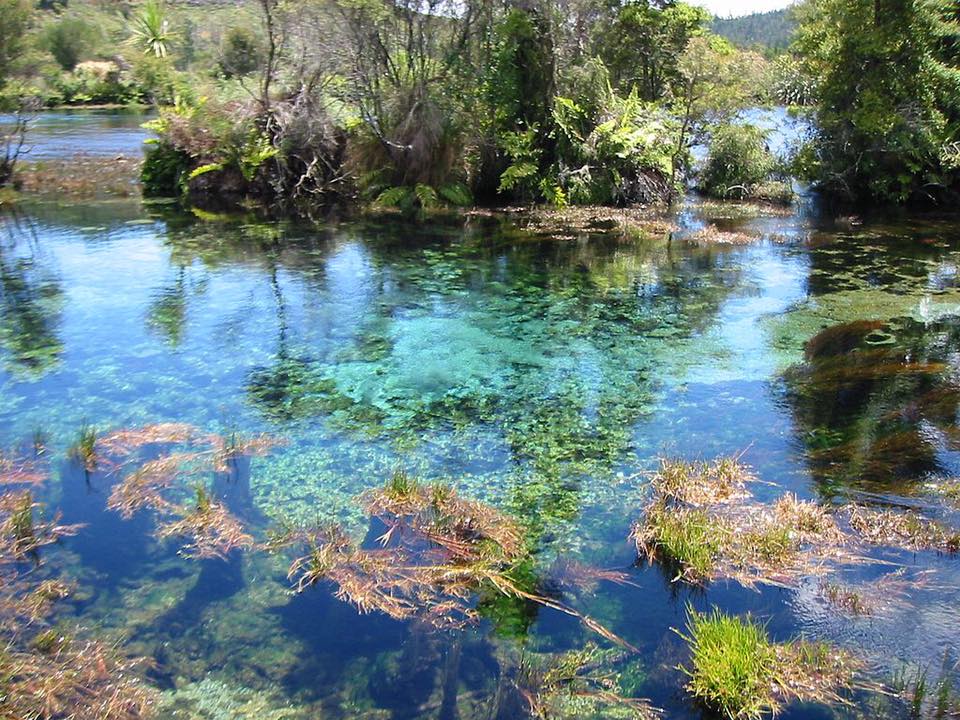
[
  {"x": 438, "y": 551},
  {"x": 48, "y": 675},
  {"x": 578, "y": 683},
  {"x": 736, "y": 670},
  {"x": 67, "y": 677},
  {"x": 208, "y": 528},
  {"x": 211, "y": 531}
]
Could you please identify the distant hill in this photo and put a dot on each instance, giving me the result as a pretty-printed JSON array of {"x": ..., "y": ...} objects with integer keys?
[{"x": 768, "y": 30}]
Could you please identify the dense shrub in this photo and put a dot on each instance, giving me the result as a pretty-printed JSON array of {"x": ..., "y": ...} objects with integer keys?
[
  {"x": 414, "y": 158},
  {"x": 163, "y": 169},
  {"x": 739, "y": 162},
  {"x": 618, "y": 153},
  {"x": 241, "y": 53},
  {"x": 607, "y": 150},
  {"x": 94, "y": 82},
  {"x": 71, "y": 40},
  {"x": 224, "y": 153}
]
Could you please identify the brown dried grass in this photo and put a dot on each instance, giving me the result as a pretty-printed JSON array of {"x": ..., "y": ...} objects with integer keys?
[
  {"x": 702, "y": 519},
  {"x": 712, "y": 235},
  {"x": 208, "y": 529},
  {"x": 21, "y": 471},
  {"x": 438, "y": 552},
  {"x": 903, "y": 529}
]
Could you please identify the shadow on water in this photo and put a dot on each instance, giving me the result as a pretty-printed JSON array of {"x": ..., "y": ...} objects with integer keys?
[{"x": 114, "y": 548}]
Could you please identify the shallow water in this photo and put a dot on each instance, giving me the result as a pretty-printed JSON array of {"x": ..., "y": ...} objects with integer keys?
[
  {"x": 541, "y": 374},
  {"x": 64, "y": 133}
]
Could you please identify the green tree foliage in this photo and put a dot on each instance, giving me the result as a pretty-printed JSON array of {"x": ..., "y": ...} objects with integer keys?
[
  {"x": 643, "y": 44},
  {"x": 889, "y": 112},
  {"x": 423, "y": 103},
  {"x": 14, "y": 20},
  {"x": 716, "y": 82},
  {"x": 771, "y": 30},
  {"x": 71, "y": 40},
  {"x": 520, "y": 85},
  {"x": 791, "y": 83},
  {"x": 241, "y": 53}
]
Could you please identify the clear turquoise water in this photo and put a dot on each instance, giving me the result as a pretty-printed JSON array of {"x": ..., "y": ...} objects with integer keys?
[{"x": 542, "y": 374}]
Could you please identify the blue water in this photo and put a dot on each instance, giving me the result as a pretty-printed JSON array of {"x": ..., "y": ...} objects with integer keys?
[
  {"x": 543, "y": 375},
  {"x": 56, "y": 134}
]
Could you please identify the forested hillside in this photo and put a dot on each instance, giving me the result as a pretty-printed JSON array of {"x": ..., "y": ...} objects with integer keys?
[{"x": 770, "y": 29}]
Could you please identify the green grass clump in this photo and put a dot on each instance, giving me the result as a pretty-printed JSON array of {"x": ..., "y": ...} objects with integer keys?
[
  {"x": 770, "y": 544},
  {"x": 84, "y": 448},
  {"x": 733, "y": 664},
  {"x": 738, "y": 672},
  {"x": 687, "y": 539},
  {"x": 400, "y": 486}
]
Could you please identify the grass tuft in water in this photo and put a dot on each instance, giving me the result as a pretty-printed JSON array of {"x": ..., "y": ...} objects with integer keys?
[
  {"x": 917, "y": 695},
  {"x": 20, "y": 523},
  {"x": 84, "y": 448},
  {"x": 902, "y": 529},
  {"x": 700, "y": 483},
  {"x": 400, "y": 486},
  {"x": 686, "y": 540},
  {"x": 732, "y": 664},
  {"x": 703, "y": 521},
  {"x": 737, "y": 671},
  {"x": 205, "y": 528}
]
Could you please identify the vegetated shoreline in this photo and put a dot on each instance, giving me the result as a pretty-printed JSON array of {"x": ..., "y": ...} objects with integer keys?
[
  {"x": 117, "y": 177},
  {"x": 110, "y": 180}
]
